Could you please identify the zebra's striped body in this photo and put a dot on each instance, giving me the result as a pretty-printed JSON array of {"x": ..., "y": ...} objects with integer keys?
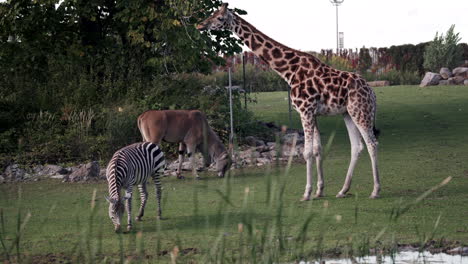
[{"x": 129, "y": 166}]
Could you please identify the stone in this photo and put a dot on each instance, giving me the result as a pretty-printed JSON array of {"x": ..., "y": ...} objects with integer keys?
[
  {"x": 465, "y": 82},
  {"x": 458, "y": 250},
  {"x": 378, "y": 83},
  {"x": 102, "y": 174},
  {"x": 49, "y": 170},
  {"x": 457, "y": 79},
  {"x": 289, "y": 138},
  {"x": 430, "y": 79},
  {"x": 445, "y": 73},
  {"x": 461, "y": 71},
  {"x": 254, "y": 142},
  {"x": 263, "y": 161},
  {"x": 2, "y": 180},
  {"x": 14, "y": 173},
  {"x": 84, "y": 172},
  {"x": 446, "y": 82}
]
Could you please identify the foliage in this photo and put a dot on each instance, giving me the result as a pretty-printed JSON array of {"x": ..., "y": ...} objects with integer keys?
[
  {"x": 443, "y": 51},
  {"x": 395, "y": 77},
  {"x": 365, "y": 60}
]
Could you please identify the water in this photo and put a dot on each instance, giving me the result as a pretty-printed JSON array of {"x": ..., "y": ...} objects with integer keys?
[{"x": 404, "y": 257}]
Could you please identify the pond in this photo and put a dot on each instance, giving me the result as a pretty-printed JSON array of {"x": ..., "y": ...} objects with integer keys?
[{"x": 403, "y": 257}]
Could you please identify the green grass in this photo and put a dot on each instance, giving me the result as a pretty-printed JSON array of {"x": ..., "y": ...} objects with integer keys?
[{"x": 423, "y": 141}]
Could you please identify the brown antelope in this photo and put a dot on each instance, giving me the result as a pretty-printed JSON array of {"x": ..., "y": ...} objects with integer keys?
[{"x": 190, "y": 129}]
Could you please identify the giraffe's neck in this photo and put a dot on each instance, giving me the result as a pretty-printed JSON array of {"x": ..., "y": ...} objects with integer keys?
[{"x": 282, "y": 59}]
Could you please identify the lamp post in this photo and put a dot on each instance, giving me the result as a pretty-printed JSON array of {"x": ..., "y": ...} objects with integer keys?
[{"x": 337, "y": 3}]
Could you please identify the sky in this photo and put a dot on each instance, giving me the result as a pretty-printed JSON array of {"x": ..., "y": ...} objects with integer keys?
[{"x": 310, "y": 25}]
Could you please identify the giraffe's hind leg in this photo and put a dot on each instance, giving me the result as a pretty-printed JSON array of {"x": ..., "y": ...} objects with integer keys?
[
  {"x": 356, "y": 149},
  {"x": 317, "y": 153},
  {"x": 144, "y": 199},
  {"x": 366, "y": 128}
]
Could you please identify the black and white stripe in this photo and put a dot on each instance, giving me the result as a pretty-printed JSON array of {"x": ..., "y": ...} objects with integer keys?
[{"x": 129, "y": 166}]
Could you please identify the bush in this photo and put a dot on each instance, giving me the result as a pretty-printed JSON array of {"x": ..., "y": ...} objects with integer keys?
[
  {"x": 443, "y": 51},
  {"x": 395, "y": 77}
]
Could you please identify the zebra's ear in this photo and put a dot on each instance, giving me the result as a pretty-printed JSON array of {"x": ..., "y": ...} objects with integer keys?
[{"x": 110, "y": 200}]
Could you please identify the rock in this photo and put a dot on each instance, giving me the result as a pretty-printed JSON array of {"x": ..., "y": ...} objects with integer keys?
[
  {"x": 430, "y": 79},
  {"x": 84, "y": 172},
  {"x": 14, "y": 173},
  {"x": 461, "y": 71},
  {"x": 263, "y": 161},
  {"x": 254, "y": 142},
  {"x": 289, "y": 138},
  {"x": 102, "y": 174},
  {"x": 457, "y": 79},
  {"x": 458, "y": 250},
  {"x": 378, "y": 83},
  {"x": 445, "y": 73},
  {"x": 51, "y": 171},
  {"x": 2, "y": 180},
  {"x": 446, "y": 82},
  {"x": 465, "y": 82}
]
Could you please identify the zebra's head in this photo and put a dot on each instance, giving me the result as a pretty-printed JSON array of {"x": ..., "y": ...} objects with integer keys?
[{"x": 116, "y": 210}]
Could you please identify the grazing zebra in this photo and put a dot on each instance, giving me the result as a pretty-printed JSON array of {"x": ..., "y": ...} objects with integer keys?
[{"x": 131, "y": 166}]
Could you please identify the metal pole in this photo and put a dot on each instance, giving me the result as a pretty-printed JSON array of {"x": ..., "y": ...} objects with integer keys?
[
  {"x": 231, "y": 137},
  {"x": 337, "y": 40}
]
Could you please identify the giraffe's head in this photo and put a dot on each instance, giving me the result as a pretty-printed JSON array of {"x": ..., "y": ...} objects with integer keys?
[
  {"x": 116, "y": 210},
  {"x": 221, "y": 19}
]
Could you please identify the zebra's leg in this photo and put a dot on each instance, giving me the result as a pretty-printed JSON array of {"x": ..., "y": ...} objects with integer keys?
[
  {"x": 143, "y": 198},
  {"x": 181, "y": 159},
  {"x": 128, "y": 207},
  {"x": 157, "y": 184}
]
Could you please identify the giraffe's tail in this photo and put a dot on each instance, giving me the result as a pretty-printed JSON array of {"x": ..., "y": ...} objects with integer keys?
[{"x": 376, "y": 132}]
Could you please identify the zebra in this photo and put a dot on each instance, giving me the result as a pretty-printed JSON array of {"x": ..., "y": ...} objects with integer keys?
[{"x": 131, "y": 166}]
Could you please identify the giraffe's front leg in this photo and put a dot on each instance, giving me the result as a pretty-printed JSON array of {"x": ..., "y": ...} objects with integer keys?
[
  {"x": 307, "y": 124},
  {"x": 144, "y": 198},
  {"x": 128, "y": 207}
]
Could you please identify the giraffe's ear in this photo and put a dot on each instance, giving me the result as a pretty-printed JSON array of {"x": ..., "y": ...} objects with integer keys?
[{"x": 224, "y": 7}]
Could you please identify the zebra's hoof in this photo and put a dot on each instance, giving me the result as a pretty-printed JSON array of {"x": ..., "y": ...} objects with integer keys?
[
  {"x": 180, "y": 177},
  {"x": 198, "y": 178},
  {"x": 374, "y": 196},
  {"x": 129, "y": 228},
  {"x": 138, "y": 218},
  {"x": 303, "y": 199}
]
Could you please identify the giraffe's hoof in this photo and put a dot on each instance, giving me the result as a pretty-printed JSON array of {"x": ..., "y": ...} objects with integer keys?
[
  {"x": 341, "y": 195},
  {"x": 303, "y": 199},
  {"x": 374, "y": 196},
  {"x": 318, "y": 195}
]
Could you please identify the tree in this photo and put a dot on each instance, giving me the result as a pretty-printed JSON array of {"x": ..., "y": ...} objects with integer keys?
[
  {"x": 443, "y": 51},
  {"x": 365, "y": 60}
]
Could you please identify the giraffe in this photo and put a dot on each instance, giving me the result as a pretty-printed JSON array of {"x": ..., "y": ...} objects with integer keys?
[{"x": 316, "y": 90}]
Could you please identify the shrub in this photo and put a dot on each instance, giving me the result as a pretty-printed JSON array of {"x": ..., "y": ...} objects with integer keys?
[{"x": 443, "y": 51}]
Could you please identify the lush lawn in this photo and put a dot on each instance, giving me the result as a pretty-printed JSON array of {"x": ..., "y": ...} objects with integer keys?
[{"x": 424, "y": 140}]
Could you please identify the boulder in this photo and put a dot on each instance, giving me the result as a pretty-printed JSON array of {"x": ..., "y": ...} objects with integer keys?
[
  {"x": 254, "y": 142},
  {"x": 461, "y": 71},
  {"x": 51, "y": 171},
  {"x": 430, "y": 79},
  {"x": 378, "y": 83},
  {"x": 446, "y": 82},
  {"x": 288, "y": 139},
  {"x": 457, "y": 79},
  {"x": 445, "y": 73},
  {"x": 14, "y": 173},
  {"x": 84, "y": 172}
]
